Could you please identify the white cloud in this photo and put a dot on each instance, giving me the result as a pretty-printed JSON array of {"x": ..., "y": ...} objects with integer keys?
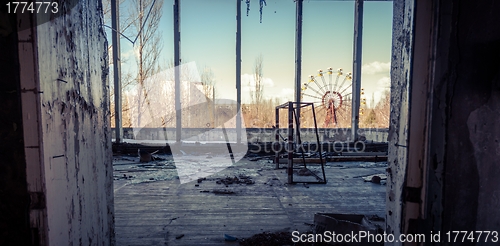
[
  {"x": 248, "y": 82},
  {"x": 384, "y": 82},
  {"x": 268, "y": 82},
  {"x": 249, "y": 79},
  {"x": 127, "y": 54},
  {"x": 376, "y": 67},
  {"x": 287, "y": 92}
]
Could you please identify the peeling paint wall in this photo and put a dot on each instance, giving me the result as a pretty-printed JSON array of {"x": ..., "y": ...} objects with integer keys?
[
  {"x": 402, "y": 42},
  {"x": 74, "y": 126}
]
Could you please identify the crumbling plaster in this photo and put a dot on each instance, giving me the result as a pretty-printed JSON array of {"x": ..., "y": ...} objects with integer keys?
[
  {"x": 398, "y": 126},
  {"x": 75, "y": 127}
]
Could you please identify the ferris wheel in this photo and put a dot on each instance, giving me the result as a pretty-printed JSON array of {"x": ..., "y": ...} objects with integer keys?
[{"x": 330, "y": 92}]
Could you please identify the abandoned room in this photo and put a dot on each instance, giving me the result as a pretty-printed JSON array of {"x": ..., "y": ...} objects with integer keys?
[{"x": 250, "y": 122}]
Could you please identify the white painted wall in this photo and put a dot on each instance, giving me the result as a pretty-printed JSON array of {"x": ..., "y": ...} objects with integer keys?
[
  {"x": 74, "y": 127},
  {"x": 402, "y": 39}
]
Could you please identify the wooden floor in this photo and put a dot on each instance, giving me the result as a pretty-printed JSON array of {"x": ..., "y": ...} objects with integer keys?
[{"x": 165, "y": 212}]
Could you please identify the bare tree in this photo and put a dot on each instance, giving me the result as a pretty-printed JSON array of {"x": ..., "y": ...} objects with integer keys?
[
  {"x": 208, "y": 82},
  {"x": 383, "y": 109},
  {"x": 257, "y": 93},
  {"x": 127, "y": 80},
  {"x": 146, "y": 15},
  {"x": 127, "y": 118},
  {"x": 127, "y": 83},
  {"x": 125, "y": 20}
]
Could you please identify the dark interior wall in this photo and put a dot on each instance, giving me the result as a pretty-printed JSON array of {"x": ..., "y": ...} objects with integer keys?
[
  {"x": 467, "y": 89},
  {"x": 461, "y": 172},
  {"x": 14, "y": 198}
]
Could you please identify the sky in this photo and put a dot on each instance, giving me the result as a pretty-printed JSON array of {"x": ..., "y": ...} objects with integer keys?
[{"x": 208, "y": 34}]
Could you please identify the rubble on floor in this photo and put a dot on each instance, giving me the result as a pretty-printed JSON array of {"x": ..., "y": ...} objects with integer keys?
[
  {"x": 274, "y": 239},
  {"x": 380, "y": 178},
  {"x": 246, "y": 198},
  {"x": 235, "y": 180}
]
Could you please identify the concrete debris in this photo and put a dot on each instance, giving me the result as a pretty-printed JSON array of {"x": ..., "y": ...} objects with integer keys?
[
  {"x": 374, "y": 218},
  {"x": 268, "y": 238},
  {"x": 145, "y": 156},
  {"x": 229, "y": 238},
  {"x": 304, "y": 172},
  {"x": 223, "y": 192},
  {"x": 344, "y": 224},
  {"x": 376, "y": 178},
  {"x": 232, "y": 188},
  {"x": 372, "y": 165},
  {"x": 116, "y": 177},
  {"x": 243, "y": 179},
  {"x": 274, "y": 239}
]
